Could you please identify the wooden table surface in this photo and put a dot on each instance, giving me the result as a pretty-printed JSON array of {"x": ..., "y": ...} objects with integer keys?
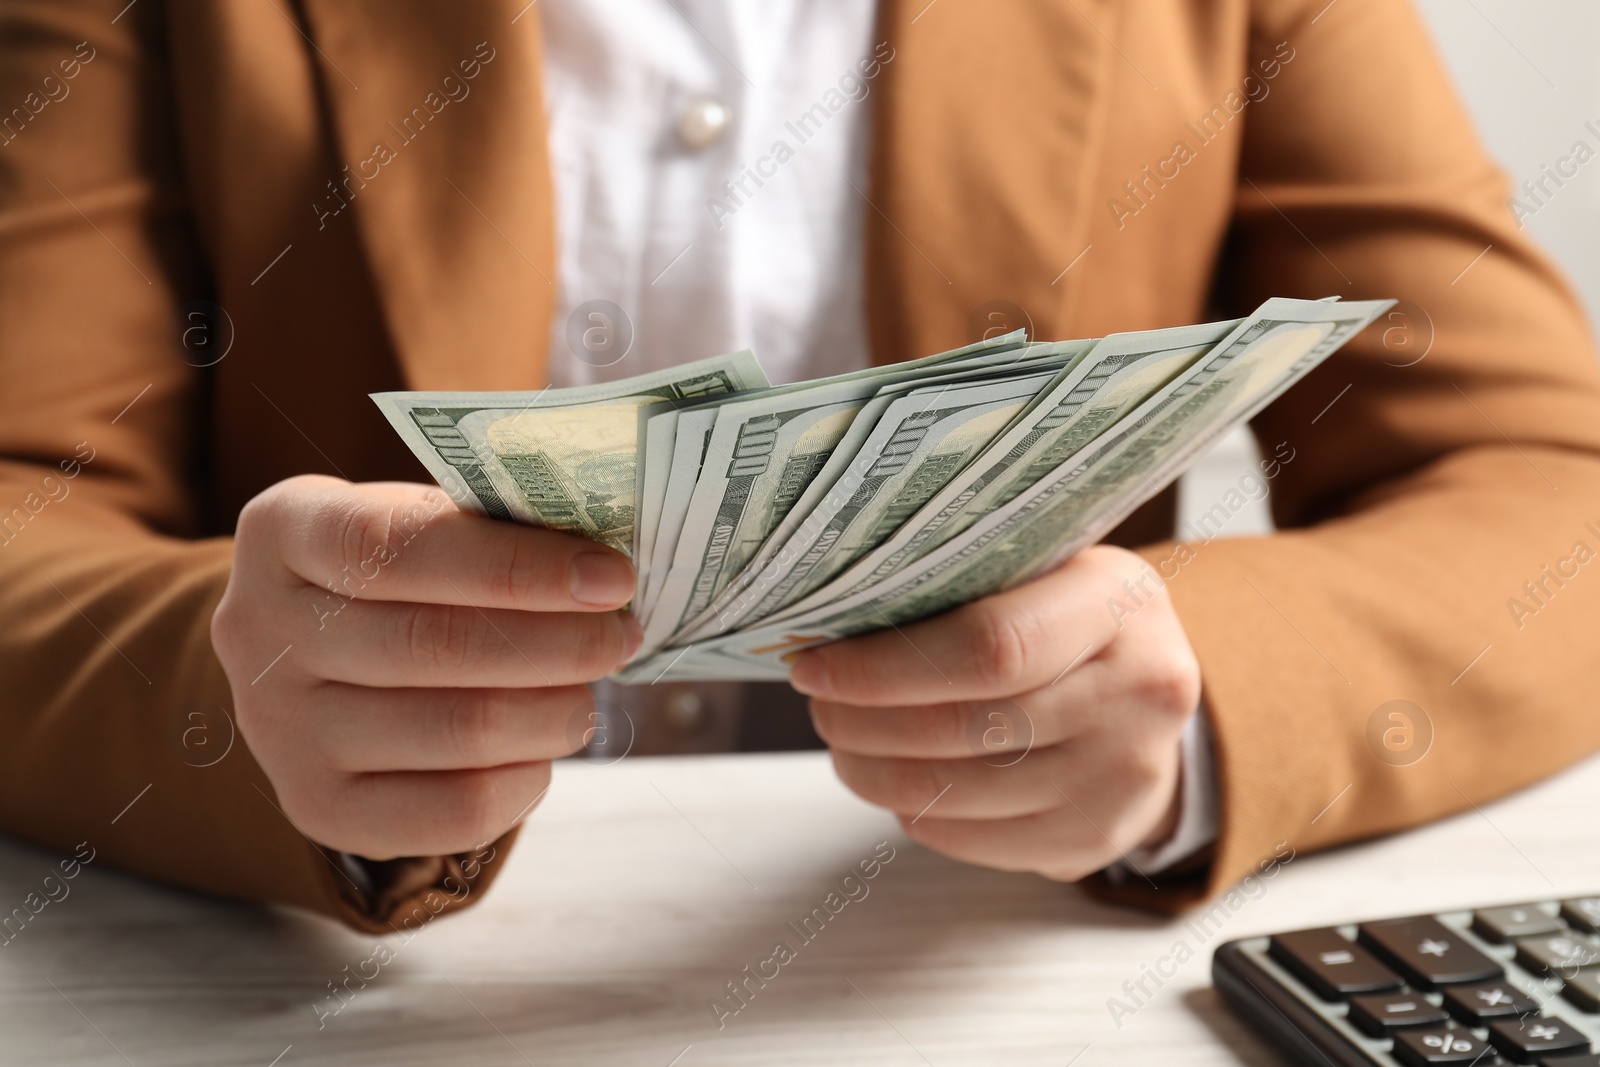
[{"x": 638, "y": 890}]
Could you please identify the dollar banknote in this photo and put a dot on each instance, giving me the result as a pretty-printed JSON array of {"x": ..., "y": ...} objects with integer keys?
[
  {"x": 672, "y": 458},
  {"x": 1035, "y": 359},
  {"x": 922, "y": 440},
  {"x": 763, "y": 519},
  {"x": 1121, "y": 371},
  {"x": 760, "y": 458},
  {"x": 1074, "y": 504},
  {"x": 559, "y": 458}
]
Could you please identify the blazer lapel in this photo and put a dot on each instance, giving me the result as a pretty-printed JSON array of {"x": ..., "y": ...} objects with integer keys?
[
  {"x": 449, "y": 182},
  {"x": 439, "y": 128},
  {"x": 988, "y": 120}
]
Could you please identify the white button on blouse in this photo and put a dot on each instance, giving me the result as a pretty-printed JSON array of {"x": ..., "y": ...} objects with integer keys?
[{"x": 703, "y": 121}]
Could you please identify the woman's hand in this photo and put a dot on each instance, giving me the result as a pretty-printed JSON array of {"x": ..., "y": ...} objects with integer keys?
[
  {"x": 405, "y": 672},
  {"x": 1034, "y": 730}
]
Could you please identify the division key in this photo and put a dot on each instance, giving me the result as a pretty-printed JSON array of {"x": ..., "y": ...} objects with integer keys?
[{"x": 1504, "y": 924}]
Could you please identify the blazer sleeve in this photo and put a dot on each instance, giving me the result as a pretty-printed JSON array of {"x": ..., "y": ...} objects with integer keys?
[
  {"x": 116, "y": 713},
  {"x": 1419, "y": 636}
]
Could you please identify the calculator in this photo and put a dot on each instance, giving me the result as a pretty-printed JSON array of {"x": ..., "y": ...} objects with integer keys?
[{"x": 1518, "y": 983}]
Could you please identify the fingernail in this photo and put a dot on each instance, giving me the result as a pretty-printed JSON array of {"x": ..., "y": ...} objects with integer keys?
[
  {"x": 808, "y": 674},
  {"x": 601, "y": 578},
  {"x": 632, "y": 636}
]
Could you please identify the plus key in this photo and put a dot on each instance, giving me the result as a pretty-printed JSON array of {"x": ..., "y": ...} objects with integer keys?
[{"x": 1428, "y": 953}]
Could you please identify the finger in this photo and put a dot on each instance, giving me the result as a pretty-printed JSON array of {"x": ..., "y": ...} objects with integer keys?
[
  {"x": 1123, "y": 684},
  {"x": 423, "y": 813},
  {"x": 1111, "y": 767},
  {"x": 995, "y": 730},
  {"x": 956, "y": 788},
  {"x": 441, "y": 646},
  {"x": 998, "y": 646},
  {"x": 398, "y": 542},
  {"x": 1108, "y": 797},
  {"x": 366, "y": 730},
  {"x": 1059, "y": 843}
]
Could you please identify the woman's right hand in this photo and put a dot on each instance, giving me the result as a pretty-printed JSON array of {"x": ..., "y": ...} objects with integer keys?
[{"x": 404, "y": 672}]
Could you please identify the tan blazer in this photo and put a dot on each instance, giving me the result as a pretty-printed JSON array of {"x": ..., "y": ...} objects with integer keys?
[{"x": 1104, "y": 166}]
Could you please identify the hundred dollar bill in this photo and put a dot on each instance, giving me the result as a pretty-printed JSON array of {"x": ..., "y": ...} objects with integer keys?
[
  {"x": 1039, "y": 358},
  {"x": 762, "y": 454},
  {"x": 1036, "y": 358},
  {"x": 1089, "y": 493},
  {"x": 1074, "y": 504},
  {"x": 675, "y": 454},
  {"x": 560, "y": 458},
  {"x": 1120, "y": 372},
  {"x": 672, "y": 449},
  {"x": 650, "y": 493},
  {"x": 923, "y": 439}
]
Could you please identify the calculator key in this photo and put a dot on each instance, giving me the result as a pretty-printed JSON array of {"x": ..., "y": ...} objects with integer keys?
[
  {"x": 1582, "y": 912},
  {"x": 1570, "y": 1061},
  {"x": 1381, "y": 1013},
  {"x": 1331, "y": 964},
  {"x": 1529, "y": 1040},
  {"x": 1421, "y": 1047},
  {"x": 1507, "y": 924},
  {"x": 1583, "y": 990},
  {"x": 1563, "y": 954},
  {"x": 1475, "y": 1005},
  {"x": 1428, "y": 952}
]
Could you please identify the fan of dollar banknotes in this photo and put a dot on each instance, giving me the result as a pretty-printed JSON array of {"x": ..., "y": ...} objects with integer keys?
[{"x": 765, "y": 519}]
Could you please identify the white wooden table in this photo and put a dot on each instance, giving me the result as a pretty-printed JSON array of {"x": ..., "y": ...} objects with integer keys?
[{"x": 639, "y": 889}]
